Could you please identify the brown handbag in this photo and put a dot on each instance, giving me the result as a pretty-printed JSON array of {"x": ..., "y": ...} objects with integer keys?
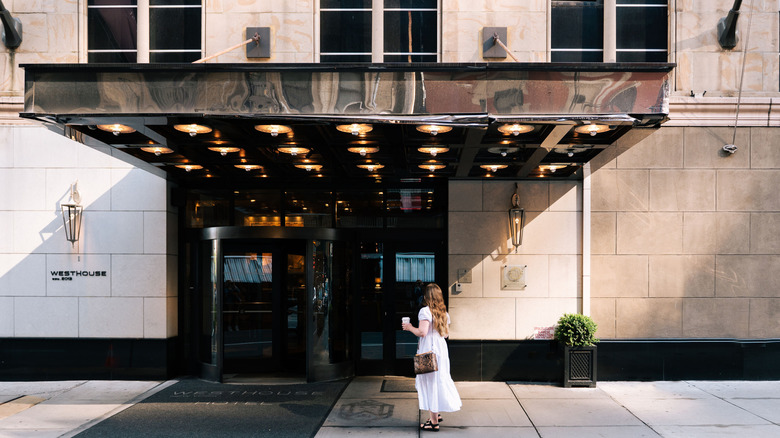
[{"x": 425, "y": 363}]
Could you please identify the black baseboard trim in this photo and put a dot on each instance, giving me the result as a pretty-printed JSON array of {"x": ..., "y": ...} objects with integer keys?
[
  {"x": 632, "y": 360},
  {"x": 26, "y": 359}
]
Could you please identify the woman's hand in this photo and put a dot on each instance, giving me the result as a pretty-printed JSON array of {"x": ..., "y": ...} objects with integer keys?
[{"x": 406, "y": 326}]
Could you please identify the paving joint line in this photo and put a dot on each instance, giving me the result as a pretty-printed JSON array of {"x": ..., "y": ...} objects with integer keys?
[
  {"x": 536, "y": 429},
  {"x": 732, "y": 404}
]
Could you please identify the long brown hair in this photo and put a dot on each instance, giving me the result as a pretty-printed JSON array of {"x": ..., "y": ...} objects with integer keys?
[{"x": 435, "y": 301}]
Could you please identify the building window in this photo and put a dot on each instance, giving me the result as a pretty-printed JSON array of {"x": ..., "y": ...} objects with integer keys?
[
  {"x": 174, "y": 31},
  {"x": 112, "y": 31},
  {"x": 577, "y": 31},
  {"x": 408, "y": 31},
  {"x": 345, "y": 30},
  {"x": 641, "y": 30}
]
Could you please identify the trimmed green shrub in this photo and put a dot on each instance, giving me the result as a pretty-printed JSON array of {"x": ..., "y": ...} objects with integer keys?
[{"x": 576, "y": 330}]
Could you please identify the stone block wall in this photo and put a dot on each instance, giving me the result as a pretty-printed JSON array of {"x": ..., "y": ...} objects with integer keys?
[
  {"x": 479, "y": 242},
  {"x": 686, "y": 238},
  {"x": 128, "y": 232}
]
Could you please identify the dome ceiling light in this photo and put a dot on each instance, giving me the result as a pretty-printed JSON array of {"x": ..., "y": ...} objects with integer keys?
[
  {"x": 116, "y": 128},
  {"x": 432, "y": 165},
  {"x": 493, "y": 167},
  {"x": 157, "y": 150},
  {"x": 503, "y": 151},
  {"x": 293, "y": 150},
  {"x": 515, "y": 129},
  {"x": 433, "y": 150},
  {"x": 189, "y": 167},
  {"x": 370, "y": 166},
  {"x": 434, "y": 129},
  {"x": 592, "y": 129},
  {"x": 224, "y": 150},
  {"x": 355, "y": 128},
  {"x": 274, "y": 130},
  {"x": 309, "y": 166},
  {"x": 193, "y": 129},
  {"x": 363, "y": 150},
  {"x": 249, "y": 167}
]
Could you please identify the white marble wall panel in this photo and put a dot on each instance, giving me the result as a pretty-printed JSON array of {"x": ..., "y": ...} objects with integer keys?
[
  {"x": 619, "y": 276},
  {"x": 662, "y": 149},
  {"x": 39, "y": 232},
  {"x": 6, "y": 231},
  {"x": 704, "y": 148},
  {"x": 536, "y": 276},
  {"x": 765, "y": 153},
  {"x": 6, "y": 317},
  {"x": 763, "y": 318},
  {"x": 25, "y": 6},
  {"x": 111, "y": 317},
  {"x": 22, "y": 275},
  {"x": 534, "y": 195},
  {"x": 649, "y": 233},
  {"x": 682, "y": 190},
  {"x": 552, "y": 233},
  {"x": 94, "y": 186},
  {"x": 46, "y": 317},
  {"x": 541, "y": 312},
  {"x": 160, "y": 317},
  {"x": 682, "y": 276},
  {"x": 38, "y": 147},
  {"x": 473, "y": 264},
  {"x": 99, "y": 157},
  {"x": 603, "y": 232},
  {"x": 620, "y": 190},
  {"x": 752, "y": 276},
  {"x": 156, "y": 231},
  {"x": 112, "y": 232},
  {"x": 137, "y": 189},
  {"x": 23, "y": 189},
  {"x": 565, "y": 276},
  {"x": 78, "y": 285},
  {"x": 6, "y": 141},
  {"x": 139, "y": 275},
  {"x": 716, "y": 318},
  {"x": 565, "y": 196},
  {"x": 482, "y": 318},
  {"x": 648, "y": 318}
]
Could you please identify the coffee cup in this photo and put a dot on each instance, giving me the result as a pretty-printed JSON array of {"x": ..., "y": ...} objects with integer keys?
[{"x": 405, "y": 320}]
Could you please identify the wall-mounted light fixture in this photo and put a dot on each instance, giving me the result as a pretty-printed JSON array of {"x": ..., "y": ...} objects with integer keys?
[
  {"x": 12, "y": 28},
  {"x": 516, "y": 219},
  {"x": 71, "y": 215}
]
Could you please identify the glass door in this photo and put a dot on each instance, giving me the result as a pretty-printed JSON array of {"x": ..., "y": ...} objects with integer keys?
[
  {"x": 391, "y": 279},
  {"x": 262, "y": 307}
]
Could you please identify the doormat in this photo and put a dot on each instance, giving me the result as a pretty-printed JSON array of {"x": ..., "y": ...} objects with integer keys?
[
  {"x": 398, "y": 385},
  {"x": 193, "y": 408}
]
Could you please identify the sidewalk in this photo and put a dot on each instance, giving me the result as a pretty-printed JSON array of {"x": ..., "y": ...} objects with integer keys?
[{"x": 387, "y": 406}]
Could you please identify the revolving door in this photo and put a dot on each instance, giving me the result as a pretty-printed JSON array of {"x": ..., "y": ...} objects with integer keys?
[{"x": 273, "y": 303}]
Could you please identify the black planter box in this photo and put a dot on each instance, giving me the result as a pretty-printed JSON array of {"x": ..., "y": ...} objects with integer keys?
[{"x": 579, "y": 366}]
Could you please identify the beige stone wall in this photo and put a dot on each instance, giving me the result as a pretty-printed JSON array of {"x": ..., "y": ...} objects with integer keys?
[
  {"x": 686, "y": 238},
  {"x": 463, "y": 20},
  {"x": 50, "y": 34},
  {"x": 479, "y": 242},
  {"x": 702, "y": 65},
  {"x": 291, "y": 23}
]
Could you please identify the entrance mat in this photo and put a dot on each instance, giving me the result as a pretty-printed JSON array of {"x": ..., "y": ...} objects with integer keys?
[
  {"x": 195, "y": 408},
  {"x": 397, "y": 385}
]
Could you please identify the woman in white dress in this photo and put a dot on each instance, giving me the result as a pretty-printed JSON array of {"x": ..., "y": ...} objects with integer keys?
[{"x": 435, "y": 391}]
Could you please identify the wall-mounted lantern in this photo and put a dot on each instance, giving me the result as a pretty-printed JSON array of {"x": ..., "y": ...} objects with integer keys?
[
  {"x": 71, "y": 215},
  {"x": 516, "y": 219}
]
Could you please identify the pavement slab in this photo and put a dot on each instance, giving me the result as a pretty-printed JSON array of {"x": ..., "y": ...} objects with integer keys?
[
  {"x": 598, "y": 432},
  {"x": 691, "y": 412},
  {"x": 766, "y": 431},
  {"x": 486, "y": 413},
  {"x": 539, "y": 391},
  {"x": 578, "y": 412}
]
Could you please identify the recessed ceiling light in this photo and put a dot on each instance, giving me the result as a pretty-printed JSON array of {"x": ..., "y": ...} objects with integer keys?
[
  {"x": 355, "y": 128},
  {"x": 515, "y": 129},
  {"x": 591, "y": 129},
  {"x": 433, "y": 150},
  {"x": 293, "y": 150},
  {"x": 157, "y": 150},
  {"x": 493, "y": 167},
  {"x": 189, "y": 167}
]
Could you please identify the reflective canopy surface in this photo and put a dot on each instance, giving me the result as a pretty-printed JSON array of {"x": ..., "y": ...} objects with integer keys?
[{"x": 474, "y": 100}]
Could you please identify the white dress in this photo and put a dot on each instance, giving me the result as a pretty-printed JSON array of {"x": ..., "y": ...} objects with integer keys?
[{"x": 436, "y": 391}]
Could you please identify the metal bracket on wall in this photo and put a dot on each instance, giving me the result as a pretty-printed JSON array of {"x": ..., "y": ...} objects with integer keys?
[
  {"x": 490, "y": 49},
  {"x": 261, "y": 46}
]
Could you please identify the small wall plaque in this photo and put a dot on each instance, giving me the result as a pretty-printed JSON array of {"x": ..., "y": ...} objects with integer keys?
[
  {"x": 489, "y": 48},
  {"x": 261, "y": 49},
  {"x": 513, "y": 277}
]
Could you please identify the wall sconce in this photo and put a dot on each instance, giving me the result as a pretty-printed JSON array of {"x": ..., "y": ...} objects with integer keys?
[
  {"x": 71, "y": 215},
  {"x": 516, "y": 219}
]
